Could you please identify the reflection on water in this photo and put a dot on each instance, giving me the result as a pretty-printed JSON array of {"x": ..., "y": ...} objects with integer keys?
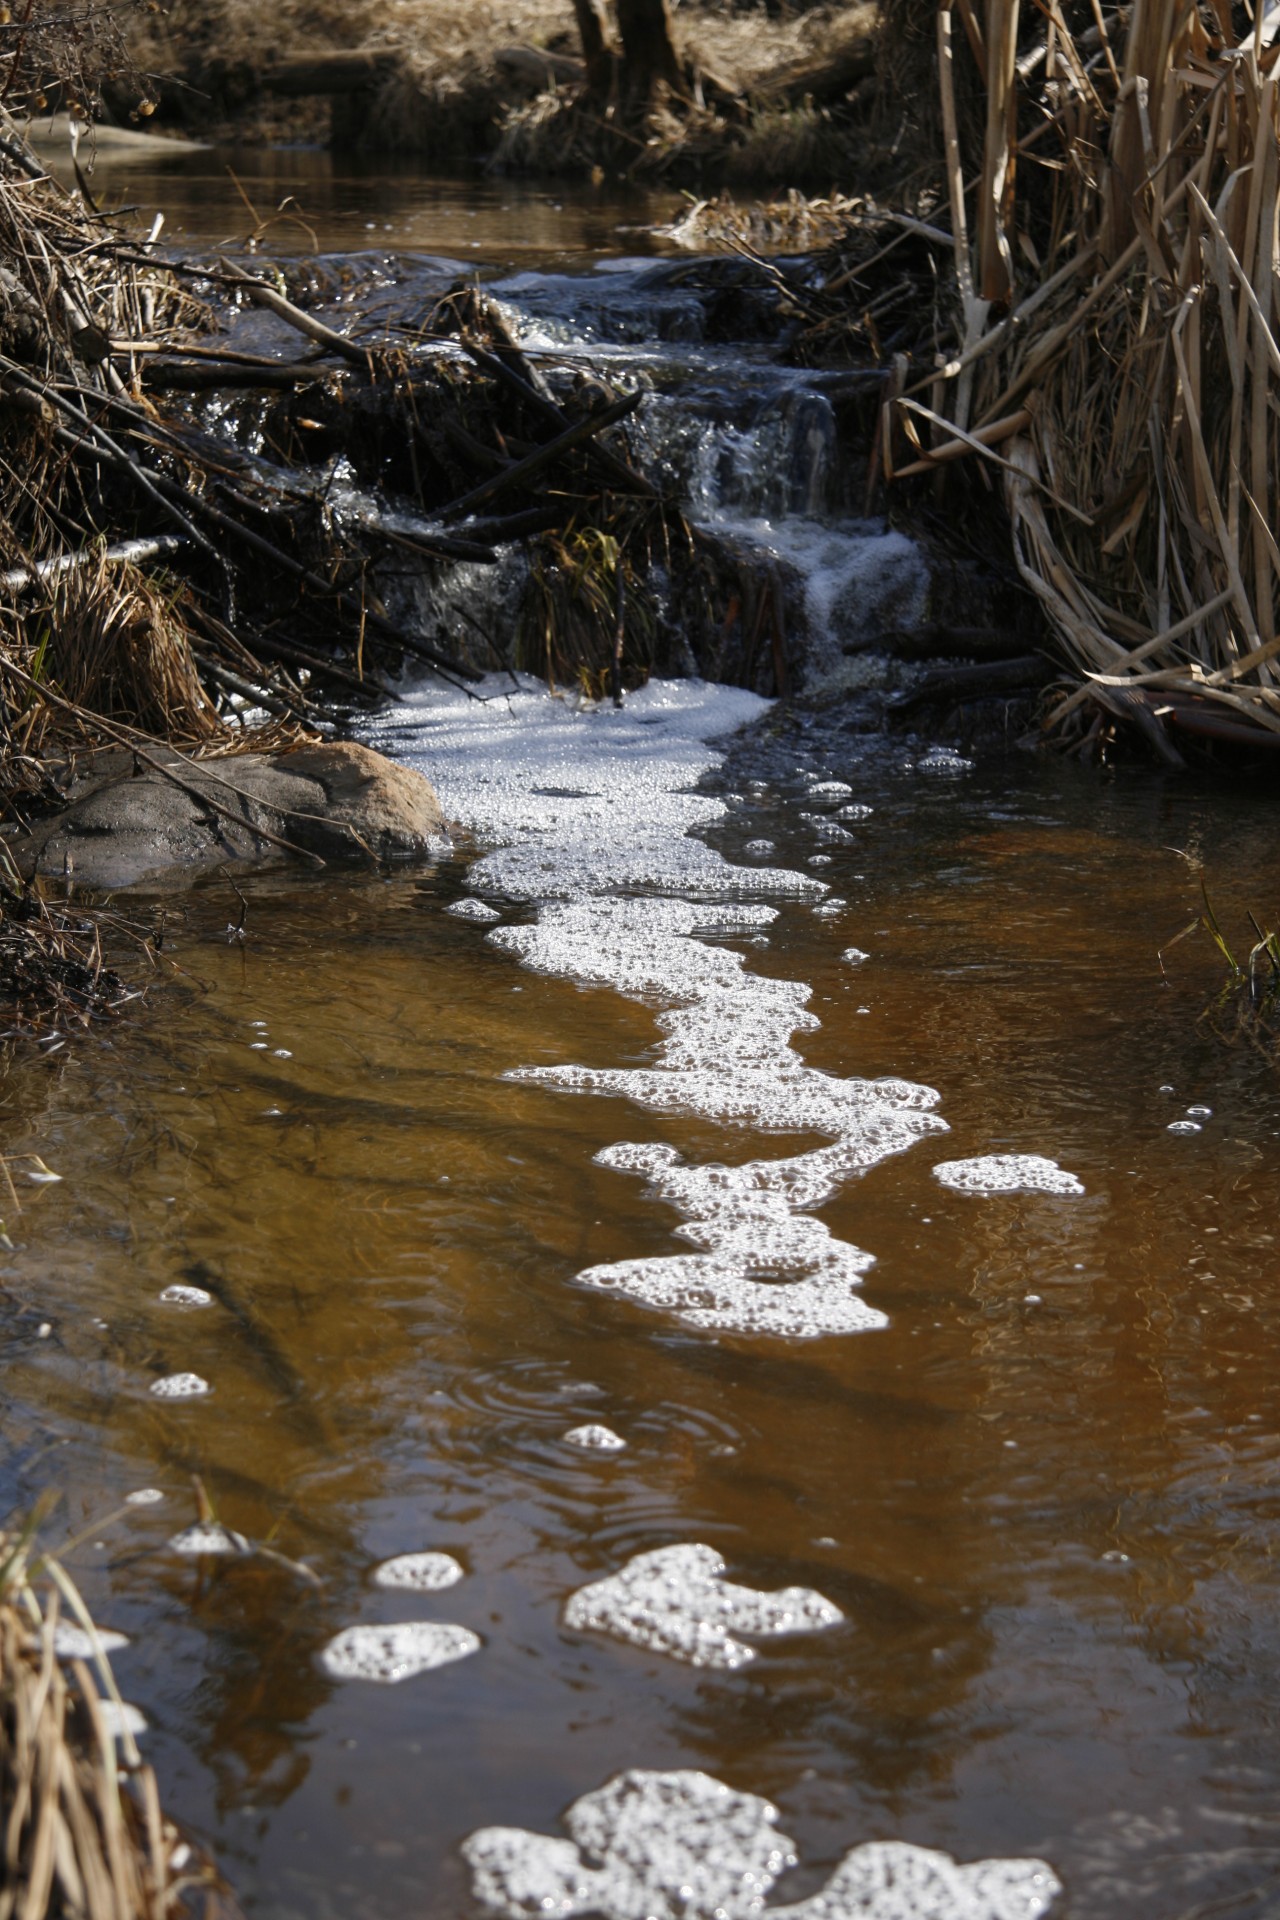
[
  {"x": 1043, "y": 1498},
  {"x": 298, "y": 200}
]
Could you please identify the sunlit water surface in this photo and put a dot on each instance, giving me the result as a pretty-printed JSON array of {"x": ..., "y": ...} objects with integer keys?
[{"x": 1040, "y": 1501}]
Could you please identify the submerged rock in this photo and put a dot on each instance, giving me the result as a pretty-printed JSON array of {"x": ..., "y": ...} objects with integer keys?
[{"x": 128, "y": 823}]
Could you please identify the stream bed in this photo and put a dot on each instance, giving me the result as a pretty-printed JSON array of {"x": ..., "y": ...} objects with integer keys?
[{"x": 808, "y": 1112}]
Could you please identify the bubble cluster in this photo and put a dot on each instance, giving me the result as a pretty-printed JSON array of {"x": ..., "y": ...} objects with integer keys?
[
  {"x": 398, "y": 1652},
  {"x": 473, "y": 910},
  {"x": 180, "y": 1386},
  {"x": 683, "y": 1846},
  {"x": 209, "y": 1536},
  {"x": 1007, "y": 1173},
  {"x": 596, "y": 1438},
  {"x": 180, "y": 1295},
  {"x": 419, "y": 1572},
  {"x": 676, "y": 1601}
]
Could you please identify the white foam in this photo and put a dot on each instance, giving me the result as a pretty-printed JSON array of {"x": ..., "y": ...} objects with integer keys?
[
  {"x": 180, "y": 1386},
  {"x": 829, "y": 790},
  {"x": 943, "y": 760},
  {"x": 596, "y": 1438},
  {"x": 473, "y": 910},
  {"x": 760, "y": 849},
  {"x": 683, "y": 1846},
  {"x": 594, "y": 815},
  {"x": 856, "y": 811},
  {"x": 419, "y": 1572},
  {"x": 829, "y": 830},
  {"x": 183, "y": 1296},
  {"x": 209, "y": 1536},
  {"x": 119, "y": 1718},
  {"x": 1007, "y": 1173},
  {"x": 144, "y": 1497},
  {"x": 854, "y": 956},
  {"x": 675, "y": 1600},
  {"x": 1184, "y": 1126},
  {"x": 398, "y": 1652},
  {"x": 76, "y": 1643}
]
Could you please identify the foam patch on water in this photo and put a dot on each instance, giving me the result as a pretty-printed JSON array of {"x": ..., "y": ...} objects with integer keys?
[
  {"x": 829, "y": 790},
  {"x": 76, "y": 1643},
  {"x": 596, "y": 1438},
  {"x": 419, "y": 1572},
  {"x": 180, "y": 1386},
  {"x": 1007, "y": 1173},
  {"x": 144, "y": 1497},
  {"x": 119, "y": 1718},
  {"x": 683, "y": 1846},
  {"x": 398, "y": 1652},
  {"x": 473, "y": 910},
  {"x": 209, "y": 1536},
  {"x": 676, "y": 1600},
  {"x": 184, "y": 1296},
  {"x": 594, "y": 812},
  {"x": 854, "y": 956}
]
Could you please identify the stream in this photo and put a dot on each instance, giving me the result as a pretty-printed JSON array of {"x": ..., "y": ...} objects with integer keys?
[{"x": 747, "y": 1276}]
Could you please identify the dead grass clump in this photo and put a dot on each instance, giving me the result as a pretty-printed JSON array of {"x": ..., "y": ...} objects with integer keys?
[
  {"x": 84, "y": 1833},
  {"x": 1115, "y": 345}
]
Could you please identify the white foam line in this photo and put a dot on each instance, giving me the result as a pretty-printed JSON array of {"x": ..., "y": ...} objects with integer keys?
[{"x": 593, "y": 814}]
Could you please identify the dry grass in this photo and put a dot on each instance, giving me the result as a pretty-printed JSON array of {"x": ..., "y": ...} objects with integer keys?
[
  {"x": 1115, "y": 347},
  {"x": 84, "y": 1835}
]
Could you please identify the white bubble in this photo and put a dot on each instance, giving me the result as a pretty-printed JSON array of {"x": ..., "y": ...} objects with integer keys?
[
  {"x": 595, "y": 1437},
  {"x": 675, "y": 1600},
  {"x": 180, "y": 1295},
  {"x": 858, "y": 811},
  {"x": 119, "y": 1718},
  {"x": 818, "y": 860},
  {"x": 1007, "y": 1173},
  {"x": 144, "y": 1497},
  {"x": 209, "y": 1536},
  {"x": 760, "y": 849},
  {"x": 180, "y": 1386},
  {"x": 398, "y": 1652},
  {"x": 76, "y": 1643},
  {"x": 943, "y": 760},
  {"x": 827, "y": 829},
  {"x": 683, "y": 1846},
  {"x": 854, "y": 956},
  {"x": 258, "y": 1046},
  {"x": 419, "y": 1572},
  {"x": 830, "y": 909},
  {"x": 473, "y": 910},
  {"x": 281, "y": 1053},
  {"x": 1199, "y": 1113},
  {"x": 42, "y": 1176},
  {"x": 1184, "y": 1126},
  {"x": 829, "y": 790}
]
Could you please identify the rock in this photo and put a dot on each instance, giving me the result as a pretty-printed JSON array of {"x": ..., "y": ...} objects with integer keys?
[{"x": 127, "y": 823}]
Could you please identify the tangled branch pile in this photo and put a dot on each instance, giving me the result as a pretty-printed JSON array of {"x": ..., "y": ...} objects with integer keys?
[{"x": 1115, "y": 259}]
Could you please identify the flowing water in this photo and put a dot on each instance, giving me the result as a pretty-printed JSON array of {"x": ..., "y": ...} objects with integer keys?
[{"x": 755, "y": 1214}]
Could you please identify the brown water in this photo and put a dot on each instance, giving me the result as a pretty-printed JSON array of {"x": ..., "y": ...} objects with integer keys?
[
  {"x": 1045, "y": 1496},
  {"x": 295, "y": 200}
]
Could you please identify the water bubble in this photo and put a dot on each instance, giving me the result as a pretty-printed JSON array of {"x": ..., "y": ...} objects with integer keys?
[
  {"x": 281, "y": 1053},
  {"x": 473, "y": 910},
  {"x": 209, "y": 1536},
  {"x": 180, "y": 1295},
  {"x": 829, "y": 790},
  {"x": 258, "y": 1046},
  {"x": 995, "y": 1173},
  {"x": 857, "y": 811},
  {"x": 1199, "y": 1113},
  {"x": 683, "y": 1846},
  {"x": 180, "y": 1386},
  {"x": 854, "y": 956},
  {"x": 144, "y": 1497},
  {"x": 818, "y": 860},
  {"x": 676, "y": 1601},
  {"x": 594, "y": 1436},
  {"x": 119, "y": 1719},
  {"x": 419, "y": 1572},
  {"x": 1184, "y": 1126},
  {"x": 76, "y": 1643},
  {"x": 398, "y": 1652},
  {"x": 760, "y": 849}
]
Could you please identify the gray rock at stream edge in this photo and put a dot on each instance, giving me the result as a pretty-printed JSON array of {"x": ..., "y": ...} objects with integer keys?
[{"x": 128, "y": 824}]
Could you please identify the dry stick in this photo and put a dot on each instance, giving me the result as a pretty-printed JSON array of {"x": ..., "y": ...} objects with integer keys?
[
  {"x": 972, "y": 443},
  {"x": 954, "y": 448},
  {"x": 973, "y": 309},
  {"x": 533, "y": 463},
  {"x": 266, "y": 296},
  {"x": 156, "y": 547},
  {"x": 554, "y": 415},
  {"x": 130, "y": 736}
]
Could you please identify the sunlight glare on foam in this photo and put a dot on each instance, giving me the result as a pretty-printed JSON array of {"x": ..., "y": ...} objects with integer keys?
[
  {"x": 684, "y": 1846},
  {"x": 593, "y": 812},
  {"x": 676, "y": 1601}
]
